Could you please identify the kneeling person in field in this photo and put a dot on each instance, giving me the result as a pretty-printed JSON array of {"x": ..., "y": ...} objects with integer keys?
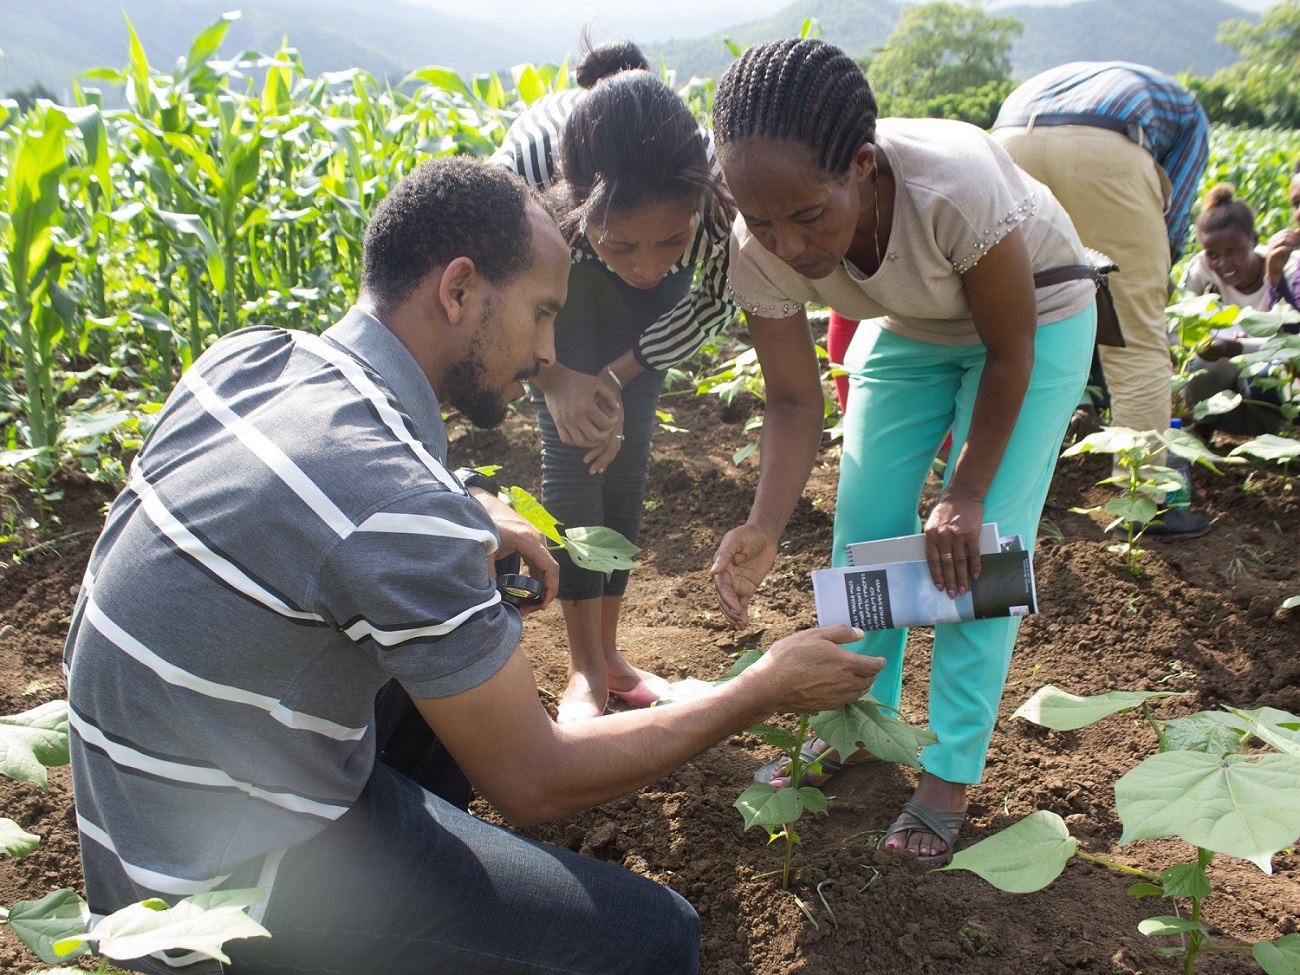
[{"x": 289, "y": 665}]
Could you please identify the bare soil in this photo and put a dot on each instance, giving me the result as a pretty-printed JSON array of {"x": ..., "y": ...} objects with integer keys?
[{"x": 1204, "y": 618}]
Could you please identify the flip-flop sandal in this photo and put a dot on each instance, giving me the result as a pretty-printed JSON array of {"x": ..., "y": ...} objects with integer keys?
[
  {"x": 644, "y": 692},
  {"x": 807, "y": 754},
  {"x": 917, "y": 816}
]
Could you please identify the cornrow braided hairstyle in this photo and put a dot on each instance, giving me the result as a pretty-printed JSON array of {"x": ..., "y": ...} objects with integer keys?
[
  {"x": 1223, "y": 211},
  {"x": 804, "y": 90},
  {"x": 629, "y": 142}
]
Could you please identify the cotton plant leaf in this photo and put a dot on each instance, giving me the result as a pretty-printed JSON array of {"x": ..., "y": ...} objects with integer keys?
[
  {"x": 765, "y": 805},
  {"x": 530, "y": 508},
  {"x": 1185, "y": 880},
  {"x": 1196, "y": 306},
  {"x": 1191, "y": 447},
  {"x": 1139, "y": 890},
  {"x": 867, "y": 721},
  {"x": 1139, "y": 510},
  {"x": 1110, "y": 440},
  {"x": 1280, "y": 729},
  {"x": 741, "y": 664},
  {"x": 1212, "y": 732},
  {"x": 814, "y": 800},
  {"x": 599, "y": 549},
  {"x": 1216, "y": 405},
  {"x": 1059, "y": 710},
  {"x": 1022, "y": 858},
  {"x": 1168, "y": 924},
  {"x": 16, "y": 841},
  {"x": 1280, "y": 957},
  {"x": 52, "y": 919},
  {"x": 33, "y": 740},
  {"x": 774, "y": 735},
  {"x": 201, "y": 924},
  {"x": 1264, "y": 324},
  {"x": 1245, "y": 806},
  {"x": 1268, "y": 447}
]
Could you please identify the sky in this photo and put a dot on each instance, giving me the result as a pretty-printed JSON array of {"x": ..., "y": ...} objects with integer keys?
[
  {"x": 560, "y": 21},
  {"x": 646, "y": 21}
]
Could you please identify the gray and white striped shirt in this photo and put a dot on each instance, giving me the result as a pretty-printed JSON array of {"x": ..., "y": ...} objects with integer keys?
[{"x": 289, "y": 541}]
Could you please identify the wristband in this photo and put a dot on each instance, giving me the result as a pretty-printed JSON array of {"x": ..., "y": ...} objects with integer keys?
[
  {"x": 472, "y": 478},
  {"x": 614, "y": 376}
]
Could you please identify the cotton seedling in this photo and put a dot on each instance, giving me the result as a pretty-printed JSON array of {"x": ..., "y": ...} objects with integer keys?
[
  {"x": 1142, "y": 483},
  {"x": 864, "y": 723},
  {"x": 1205, "y": 785},
  {"x": 58, "y": 926}
]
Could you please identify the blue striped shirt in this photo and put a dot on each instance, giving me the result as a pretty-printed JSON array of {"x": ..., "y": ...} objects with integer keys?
[{"x": 1155, "y": 107}]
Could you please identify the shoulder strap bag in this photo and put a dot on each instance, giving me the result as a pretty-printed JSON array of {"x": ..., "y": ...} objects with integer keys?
[{"x": 1097, "y": 269}]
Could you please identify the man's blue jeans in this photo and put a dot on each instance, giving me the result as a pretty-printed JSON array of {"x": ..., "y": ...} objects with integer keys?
[{"x": 406, "y": 882}]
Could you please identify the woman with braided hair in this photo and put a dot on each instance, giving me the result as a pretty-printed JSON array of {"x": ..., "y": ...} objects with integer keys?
[
  {"x": 927, "y": 226},
  {"x": 632, "y": 178}
]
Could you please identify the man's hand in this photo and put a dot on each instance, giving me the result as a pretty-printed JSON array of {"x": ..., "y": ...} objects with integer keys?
[
  {"x": 742, "y": 562},
  {"x": 588, "y": 410},
  {"x": 811, "y": 672},
  {"x": 519, "y": 535},
  {"x": 1215, "y": 348}
]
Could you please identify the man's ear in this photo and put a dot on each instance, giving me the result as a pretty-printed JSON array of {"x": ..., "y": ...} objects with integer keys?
[{"x": 459, "y": 279}]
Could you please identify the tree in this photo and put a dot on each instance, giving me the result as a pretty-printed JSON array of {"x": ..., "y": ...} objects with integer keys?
[
  {"x": 1273, "y": 42},
  {"x": 941, "y": 49},
  {"x": 1260, "y": 89}
]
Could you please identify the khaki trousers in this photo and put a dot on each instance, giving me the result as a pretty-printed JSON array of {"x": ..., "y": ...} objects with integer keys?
[{"x": 1116, "y": 194}]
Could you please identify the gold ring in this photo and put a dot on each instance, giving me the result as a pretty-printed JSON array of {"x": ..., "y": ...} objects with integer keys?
[{"x": 945, "y": 556}]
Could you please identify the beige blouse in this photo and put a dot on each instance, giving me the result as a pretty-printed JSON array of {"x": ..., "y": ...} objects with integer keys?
[{"x": 957, "y": 193}]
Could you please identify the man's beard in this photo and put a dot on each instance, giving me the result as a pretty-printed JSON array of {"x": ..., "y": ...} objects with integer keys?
[{"x": 467, "y": 390}]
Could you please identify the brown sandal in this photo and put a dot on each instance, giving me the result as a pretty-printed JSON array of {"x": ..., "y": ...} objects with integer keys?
[{"x": 917, "y": 816}]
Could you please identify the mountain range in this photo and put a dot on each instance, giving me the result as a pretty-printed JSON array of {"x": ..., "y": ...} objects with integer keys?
[
  {"x": 1088, "y": 30},
  {"x": 50, "y": 43}
]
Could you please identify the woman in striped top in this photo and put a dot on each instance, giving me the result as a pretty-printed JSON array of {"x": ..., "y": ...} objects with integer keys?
[{"x": 635, "y": 186}]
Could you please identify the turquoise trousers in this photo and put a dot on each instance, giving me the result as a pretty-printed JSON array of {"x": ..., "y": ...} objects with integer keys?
[{"x": 904, "y": 397}]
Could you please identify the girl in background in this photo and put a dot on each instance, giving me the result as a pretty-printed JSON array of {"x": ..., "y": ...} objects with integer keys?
[
  {"x": 1230, "y": 265},
  {"x": 633, "y": 181}
]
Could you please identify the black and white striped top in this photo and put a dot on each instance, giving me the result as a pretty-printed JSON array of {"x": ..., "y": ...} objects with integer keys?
[
  {"x": 289, "y": 541},
  {"x": 530, "y": 149}
]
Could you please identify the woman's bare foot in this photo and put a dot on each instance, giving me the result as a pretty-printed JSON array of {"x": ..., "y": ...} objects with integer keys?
[{"x": 580, "y": 701}]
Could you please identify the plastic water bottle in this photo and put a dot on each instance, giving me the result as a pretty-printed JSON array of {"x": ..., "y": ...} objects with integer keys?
[{"x": 1182, "y": 498}]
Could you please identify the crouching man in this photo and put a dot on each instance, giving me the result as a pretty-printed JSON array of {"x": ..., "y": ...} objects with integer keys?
[{"x": 293, "y": 575}]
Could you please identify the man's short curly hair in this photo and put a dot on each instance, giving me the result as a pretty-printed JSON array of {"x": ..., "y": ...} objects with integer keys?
[{"x": 457, "y": 206}]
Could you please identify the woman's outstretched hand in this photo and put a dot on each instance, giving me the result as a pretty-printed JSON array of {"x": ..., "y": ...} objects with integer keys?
[{"x": 739, "y": 567}]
